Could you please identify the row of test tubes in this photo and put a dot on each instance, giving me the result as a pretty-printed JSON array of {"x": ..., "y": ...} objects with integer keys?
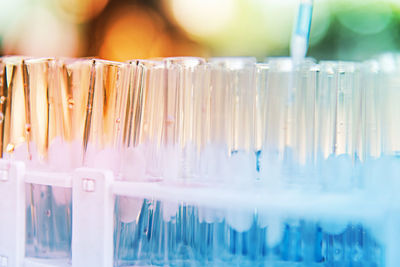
[{"x": 228, "y": 122}]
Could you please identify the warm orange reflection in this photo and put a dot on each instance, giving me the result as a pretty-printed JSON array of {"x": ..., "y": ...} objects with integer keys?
[
  {"x": 133, "y": 32},
  {"x": 137, "y": 32}
]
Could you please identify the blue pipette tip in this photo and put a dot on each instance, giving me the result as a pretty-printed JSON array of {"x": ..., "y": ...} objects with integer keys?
[{"x": 301, "y": 31}]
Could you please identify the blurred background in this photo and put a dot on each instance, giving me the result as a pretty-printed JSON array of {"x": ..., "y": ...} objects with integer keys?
[{"x": 127, "y": 29}]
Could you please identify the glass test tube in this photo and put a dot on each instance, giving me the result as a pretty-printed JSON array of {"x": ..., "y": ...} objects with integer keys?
[
  {"x": 390, "y": 96},
  {"x": 183, "y": 140},
  {"x": 340, "y": 87},
  {"x": 232, "y": 137},
  {"x": 50, "y": 209},
  {"x": 83, "y": 99},
  {"x": 338, "y": 142},
  {"x": 382, "y": 136},
  {"x": 183, "y": 135},
  {"x": 164, "y": 105},
  {"x": 143, "y": 129},
  {"x": 371, "y": 111},
  {"x": 14, "y": 134},
  {"x": 276, "y": 92},
  {"x": 288, "y": 108},
  {"x": 287, "y": 91},
  {"x": 144, "y": 121},
  {"x": 339, "y": 124},
  {"x": 232, "y": 118},
  {"x": 92, "y": 93},
  {"x": 31, "y": 125},
  {"x": 267, "y": 134},
  {"x": 92, "y": 99}
]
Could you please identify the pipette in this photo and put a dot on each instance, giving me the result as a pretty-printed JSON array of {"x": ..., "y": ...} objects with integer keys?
[{"x": 301, "y": 30}]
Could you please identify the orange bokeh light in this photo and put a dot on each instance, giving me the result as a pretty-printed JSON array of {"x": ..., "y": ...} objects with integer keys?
[{"x": 133, "y": 32}]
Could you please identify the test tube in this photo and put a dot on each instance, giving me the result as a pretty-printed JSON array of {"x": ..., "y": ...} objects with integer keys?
[
  {"x": 287, "y": 144},
  {"x": 269, "y": 126},
  {"x": 382, "y": 136},
  {"x": 339, "y": 138},
  {"x": 92, "y": 104},
  {"x": 276, "y": 91},
  {"x": 287, "y": 90},
  {"x": 372, "y": 95},
  {"x": 338, "y": 118},
  {"x": 162, "y": 124},
  {"x": 14, "y": 135},
  {"x": 92, "y": 93},
  {"x": 71, "y": 113},
  {"x": 144, "y": 121},
  {"x": 389, "y": 95},
  {"x": 183, "y": 139},
  {"x": 143, "y": 129},
  {"x": 183, "y": 135},
  {"x": 232, "y": 123},
  {"x": 270, "y": 226},
  {"x": 30, "y": 126},
  {"x": 233, "y": 157}
]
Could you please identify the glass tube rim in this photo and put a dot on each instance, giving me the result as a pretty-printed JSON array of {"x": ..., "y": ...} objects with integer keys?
[
  {"x": 184, "y": 61},
  {"x": 286, "y": 64},
  {"x": 232, "y": 63},
  {"x": 34, "y": 61},
  {"x": 14, "y": 59},
  {"x": 339, "y": 66},
  {"x": 148, "y": 63}
]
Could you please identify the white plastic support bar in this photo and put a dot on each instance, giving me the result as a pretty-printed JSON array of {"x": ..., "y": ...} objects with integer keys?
[
  {"x": 12, "y": 213},
  {"x": 32, "y": 262},
  {"x": 93, "y": 218},
  {"x": 350, "y": 206},
  {"x": 49, "y": 178}
]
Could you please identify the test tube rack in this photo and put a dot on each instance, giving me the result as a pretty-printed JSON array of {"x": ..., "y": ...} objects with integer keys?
[{"x": 93, "y": 196}]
